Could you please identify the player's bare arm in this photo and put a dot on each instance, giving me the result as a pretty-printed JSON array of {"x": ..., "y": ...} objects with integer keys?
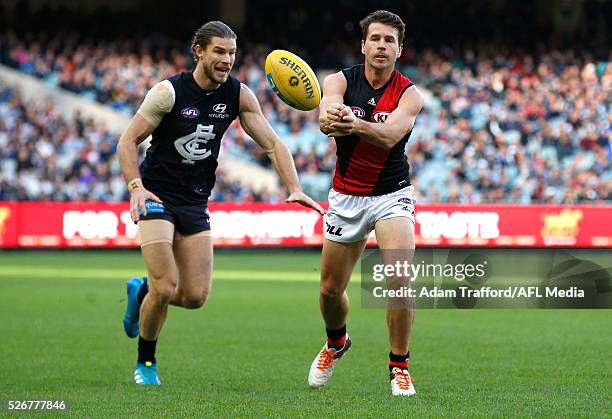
[
  {"x": 256, "y": 126},
  {"x": 156, "y": 104},
  {"x": 386, "y": 134},
  {"x": 334, "y": 87}
]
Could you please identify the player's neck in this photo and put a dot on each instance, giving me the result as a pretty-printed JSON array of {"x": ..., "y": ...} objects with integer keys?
[
  {"x": 203, "y": 81},
  {"x": 378, "y": 78}
]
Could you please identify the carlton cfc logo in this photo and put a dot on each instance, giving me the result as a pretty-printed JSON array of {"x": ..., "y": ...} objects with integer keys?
[
  {"x": 190, "y": 113},
  {"x": 380, "y": 116}
]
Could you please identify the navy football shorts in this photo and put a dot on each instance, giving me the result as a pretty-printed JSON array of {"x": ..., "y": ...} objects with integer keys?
[{"x": 187, "y": 218}]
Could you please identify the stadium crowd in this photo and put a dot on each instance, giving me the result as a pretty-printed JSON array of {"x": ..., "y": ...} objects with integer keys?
[
  {"x": 47, "y": 156},
  {"x": 498, "y": 126}
]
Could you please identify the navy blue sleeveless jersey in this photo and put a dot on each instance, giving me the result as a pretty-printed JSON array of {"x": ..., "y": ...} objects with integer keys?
[
  {"x": 181, "y": 162},
  {"x": 363, "y": 168}
]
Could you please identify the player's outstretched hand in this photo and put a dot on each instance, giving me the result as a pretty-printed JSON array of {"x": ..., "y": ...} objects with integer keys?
[
  {"x": 138, "y": 198},
  {"x": 301, "y": 198}
]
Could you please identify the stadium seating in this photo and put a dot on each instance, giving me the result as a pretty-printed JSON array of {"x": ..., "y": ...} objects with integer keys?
[{"x": 498, "y": 126}]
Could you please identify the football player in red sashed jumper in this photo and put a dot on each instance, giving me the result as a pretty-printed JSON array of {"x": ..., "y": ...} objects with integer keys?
[{"x": 370, "y": 110}]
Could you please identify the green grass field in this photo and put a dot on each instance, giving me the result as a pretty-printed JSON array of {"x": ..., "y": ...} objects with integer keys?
[{"x": 247, "y": 352}]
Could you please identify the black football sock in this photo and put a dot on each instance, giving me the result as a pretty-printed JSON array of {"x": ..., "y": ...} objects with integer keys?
[
  {"x": 336, "y": 338},
  {"x": 142, "y": 292},
  {"x": 146, "y": 350},
  {"x": 399, "y": 361}
]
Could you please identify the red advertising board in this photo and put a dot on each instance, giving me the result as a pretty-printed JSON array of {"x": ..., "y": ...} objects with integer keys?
[{"x": 100, "y": 224}]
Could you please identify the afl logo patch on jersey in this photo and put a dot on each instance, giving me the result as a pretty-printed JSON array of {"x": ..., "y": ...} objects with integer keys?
[
  {"x": 220, "y": 107},
  {"x": 190, "y": 113},
  {"x": 359, "y": 113},
  {"x": 380, "y": 116}
]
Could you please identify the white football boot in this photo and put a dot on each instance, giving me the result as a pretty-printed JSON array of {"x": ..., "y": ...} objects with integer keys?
[
  {"x": 402, "y": 384},
  {"x": 323, "y": 365}
]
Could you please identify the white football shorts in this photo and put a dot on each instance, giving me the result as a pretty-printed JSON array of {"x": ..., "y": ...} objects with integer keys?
[{"x": 351, "y": 218}]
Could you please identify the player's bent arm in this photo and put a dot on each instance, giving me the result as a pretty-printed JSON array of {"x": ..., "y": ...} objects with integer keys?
[
  {"x": 256, "y": 125},
  {"x": 127, "y": 153},
  {"x": 258, "y": 128},
  {"x": 157, "y": 103},
  {"x": 398, "y": 123},
  {"x": 396, "y": 126},
  {"x": 334, "y": 87}
]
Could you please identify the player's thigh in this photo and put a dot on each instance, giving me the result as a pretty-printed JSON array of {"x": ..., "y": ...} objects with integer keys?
[
  {"x": 395, "y": 238},
  {"x": 194, "y": 259},
  {"x": 156, "y": 238},
  {"x": 395, "y": 233},
  {"x": 337, "y": 263}
]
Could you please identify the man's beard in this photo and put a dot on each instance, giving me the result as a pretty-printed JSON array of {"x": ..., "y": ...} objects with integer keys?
[{"x": 210, "y": 73}]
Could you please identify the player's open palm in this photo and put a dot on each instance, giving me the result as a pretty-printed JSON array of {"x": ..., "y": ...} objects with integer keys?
[
  {"x": 301, "y": 198},
  {"x": 138, "y": 199}
]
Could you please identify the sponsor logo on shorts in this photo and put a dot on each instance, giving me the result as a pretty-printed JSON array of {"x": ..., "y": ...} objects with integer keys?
[
  {"x": 190, "y": 113},
  {"x": 154, "y": 207},
  {"x": 333, "y": 230},
  {"x": 406, "y": 201},
  {"x": 408, "y": 208}
]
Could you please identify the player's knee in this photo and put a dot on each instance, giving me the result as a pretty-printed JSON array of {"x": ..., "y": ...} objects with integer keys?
[
  {"x": 194, "y": 299},
  {"x": 165, "y": 293},
  {"x": 330, "y": 290},
  {"x": 162, "y": 289}
]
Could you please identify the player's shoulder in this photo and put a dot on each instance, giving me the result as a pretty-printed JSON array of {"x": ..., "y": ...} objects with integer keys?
[
  {"x": 173, "y": 84},
  {"x": 402, "y": 79},
  {"x": 408, "y": 94},
  {"x": 354, "y": 73},
  {"x": 399, "y": 85},
  {"x": 234, "y": 83},
  {"x": 335, "y": 83},
  {"x": 234, "y": 88},
  {"x": 179, "y": 77},
  {"x": 247, "y": 96}
]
